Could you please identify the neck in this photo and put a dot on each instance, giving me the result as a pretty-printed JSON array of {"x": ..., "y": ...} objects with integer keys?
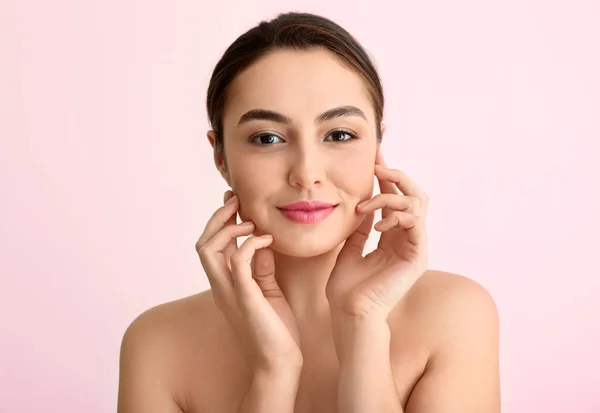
[{"x": 303, "y": 281}]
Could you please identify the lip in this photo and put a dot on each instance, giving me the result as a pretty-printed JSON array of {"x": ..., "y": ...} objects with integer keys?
[
  {"x": 307, "y": 212},
  {"x": 307, "y": 206}
]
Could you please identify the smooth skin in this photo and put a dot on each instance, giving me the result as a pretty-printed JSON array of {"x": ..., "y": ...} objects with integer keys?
[{"x": 298, "y": 318}]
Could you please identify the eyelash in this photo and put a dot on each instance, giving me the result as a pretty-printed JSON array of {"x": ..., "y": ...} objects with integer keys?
[{"x": 256, "y": 137}]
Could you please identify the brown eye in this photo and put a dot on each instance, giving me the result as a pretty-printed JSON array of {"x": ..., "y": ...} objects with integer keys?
[
  {"x": 341, "y": 136},
  {"x": 265, "y": 139}
]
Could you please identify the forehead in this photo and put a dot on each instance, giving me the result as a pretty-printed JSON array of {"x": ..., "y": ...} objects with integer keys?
[{"x": 300, "y": 84}]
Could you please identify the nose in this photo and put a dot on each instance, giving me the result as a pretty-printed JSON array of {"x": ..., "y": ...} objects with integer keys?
[{"x": 307, "y": 168}]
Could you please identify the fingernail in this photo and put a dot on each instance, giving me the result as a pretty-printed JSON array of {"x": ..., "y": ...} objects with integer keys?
[
  {"x": 231, "y": 200},
  {"x": 363, "y": 203}
]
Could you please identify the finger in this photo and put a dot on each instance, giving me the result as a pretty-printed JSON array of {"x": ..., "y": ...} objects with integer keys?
[
  {"x": 212, "y": 258},
  {"x": 232, "y": 245},
  {"x": 221, "y": 239},
  {"x": 408, "y": 222},
  {"x": 400, "y": 180},
  {"x": 216, "y": 271},
  {"x": 355, "y": 243},
  {"x": 263, "y": 272},
  {"x": 218, "y": 220},
  {"x": 241, "y": 269},
  {"x": 227, "y": 196},
  {"x": 390, "y": 203},
  {"x": 385, "y": 187}
]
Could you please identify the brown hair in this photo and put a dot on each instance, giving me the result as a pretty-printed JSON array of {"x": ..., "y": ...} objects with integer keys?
[{"x": 295, "y": 31}]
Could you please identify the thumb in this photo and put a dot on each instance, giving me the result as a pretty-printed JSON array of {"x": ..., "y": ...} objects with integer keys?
[
  {"x": 263, "y": 272},
  {"x": 355, "y": 243}
]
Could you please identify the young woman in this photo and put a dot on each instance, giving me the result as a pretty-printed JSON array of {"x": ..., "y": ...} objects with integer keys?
[{"x": 298, "y": 318}]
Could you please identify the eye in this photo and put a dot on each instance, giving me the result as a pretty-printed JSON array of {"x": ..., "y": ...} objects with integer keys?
[
  {"x": 341, "y": 136},
  {"x": 268, "y": 139},
  {"x": 265, "y": 139}
]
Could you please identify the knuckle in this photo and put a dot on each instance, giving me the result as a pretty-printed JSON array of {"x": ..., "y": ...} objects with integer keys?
[
  {"x": 203, "y": 251},
  {"x": 416, "y": 203},
  {"x": 387, "y": 200},
  {"x": 265, "y": 275},
  {"x": 229, "y": 231},
  {"x": 202, "y": 241},
  {"x": 251, "y": 242},
  {"x": 412, "y": 219},
  {"x": 270, "y": 288},
  {"x": 263, "y": 272},
  {"x": 239, "y": 256},
  {"x": 221, "y": 212},
  {"x": 375, "y": 200},
  {"x": 234, "y": 231},
  {"x": 236, "y": 257}
]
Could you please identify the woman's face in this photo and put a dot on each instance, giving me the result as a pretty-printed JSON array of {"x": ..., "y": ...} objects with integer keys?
[{"x": 293, "y": 154}]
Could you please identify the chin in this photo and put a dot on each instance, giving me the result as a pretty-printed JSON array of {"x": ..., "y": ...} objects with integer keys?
[
  {"x": 304, "y": 243},
  {"x": 304, "y": 247}
]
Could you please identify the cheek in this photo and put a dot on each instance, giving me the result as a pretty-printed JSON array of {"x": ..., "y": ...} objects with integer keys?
[
  {"x": 244, "y": 187},
  {"x": 249, "y": 184},
  {"x": 357, "y": 176},
  {"x": 244, "y": 176}
]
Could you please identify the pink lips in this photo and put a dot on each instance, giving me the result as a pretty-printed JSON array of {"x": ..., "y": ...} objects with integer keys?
[{"x": 307, "y": 212}]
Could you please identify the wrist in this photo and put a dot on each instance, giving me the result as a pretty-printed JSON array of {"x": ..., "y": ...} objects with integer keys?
[
  {"x": 276, "y": 377},
  {"x": 272, "y": 389},
  {"x": 358, "y": 338},
  {"x": 360, "y": 327},
  {"x": 357, "y": 313},
  {"x": 289, "y": 368}
]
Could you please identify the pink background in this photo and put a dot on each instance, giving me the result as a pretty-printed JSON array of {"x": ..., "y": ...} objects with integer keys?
[{"x": 106, "y": 177}]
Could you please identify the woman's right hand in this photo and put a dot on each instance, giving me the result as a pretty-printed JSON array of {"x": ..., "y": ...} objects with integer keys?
[{"x": 246, "y": 291}]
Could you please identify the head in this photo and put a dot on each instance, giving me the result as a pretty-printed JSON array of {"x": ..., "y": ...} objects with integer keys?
[{"x": 296, "y": 108}]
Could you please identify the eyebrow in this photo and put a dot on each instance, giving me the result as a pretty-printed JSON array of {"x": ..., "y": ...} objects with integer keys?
[{"x": 270, "y": 115}]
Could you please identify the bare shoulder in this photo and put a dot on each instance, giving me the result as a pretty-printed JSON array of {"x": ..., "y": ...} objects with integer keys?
[
  {"x": 459, "y": 318},
  {"x": 449, "y": 291},
  {"x": 169, "y": 323},
  {"x": 453, "y": 300},
  {"x": 449, "y": 305},
  {"x": 165, "y": 349}
]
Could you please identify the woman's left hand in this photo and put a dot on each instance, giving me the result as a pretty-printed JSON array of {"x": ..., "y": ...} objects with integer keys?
[{"x": 370, "y": 286}]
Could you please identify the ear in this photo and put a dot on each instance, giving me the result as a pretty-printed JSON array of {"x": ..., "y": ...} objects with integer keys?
[{"x": 219, "y": 157}]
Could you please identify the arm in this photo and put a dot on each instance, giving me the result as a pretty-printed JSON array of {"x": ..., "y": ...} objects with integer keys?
[
  {"x": 146, "y": 383},
  {"x": 461, "y": 377},
  {"x": 143, "y": 382},
  {"x": 463, "y": 373},
  {"x": 272, "y": 391},
  {"x": 366, "y": 381}
]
